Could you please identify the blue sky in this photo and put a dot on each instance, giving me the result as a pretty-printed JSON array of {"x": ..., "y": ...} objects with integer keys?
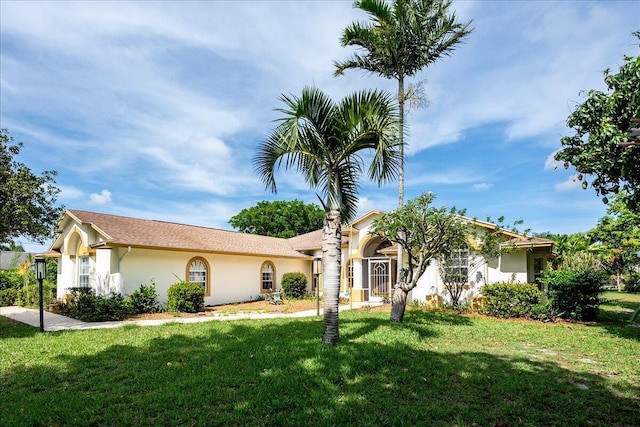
[{"x": 155, "y": 109}]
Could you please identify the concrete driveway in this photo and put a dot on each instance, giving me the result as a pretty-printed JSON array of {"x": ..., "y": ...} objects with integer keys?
[{"x": 57, "y": 322}]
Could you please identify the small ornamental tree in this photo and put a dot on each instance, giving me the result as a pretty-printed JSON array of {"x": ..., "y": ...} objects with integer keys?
[{"x": 424, "y": 232}]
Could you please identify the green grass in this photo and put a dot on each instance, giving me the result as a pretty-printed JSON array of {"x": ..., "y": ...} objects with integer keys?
[
  {"x": 437, "y": 368},
  {"x": 618, "y": 306}
]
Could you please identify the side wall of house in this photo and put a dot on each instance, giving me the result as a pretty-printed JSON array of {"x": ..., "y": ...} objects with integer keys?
[
  {"x": 510, "y": 267},
  {"x": 232, "y": 278}
]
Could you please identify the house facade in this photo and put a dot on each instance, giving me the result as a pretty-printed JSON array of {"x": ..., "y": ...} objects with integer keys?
[{"x": 112, "y": 253}]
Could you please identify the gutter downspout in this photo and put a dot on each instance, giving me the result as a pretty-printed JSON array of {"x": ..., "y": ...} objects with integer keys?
[{"x": 120, "y": 268}]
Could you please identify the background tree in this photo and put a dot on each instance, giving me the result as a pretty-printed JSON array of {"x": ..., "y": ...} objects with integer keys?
[
  {"x": 567, "y": 246},
  {"x": 25, "y": 270},
  {"x": 324, "y": 140},
  {"x": 402, "y": 38},
  {"x": 618, "y": 236},
  {"x": 602, "y": 125},
  {"x": 279, "y": 218},
  {"x": 12, "y": 246},
  {"x": 27, "y": 201}
]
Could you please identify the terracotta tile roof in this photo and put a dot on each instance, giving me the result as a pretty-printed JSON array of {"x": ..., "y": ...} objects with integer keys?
[{"x": 126, "y": 231}]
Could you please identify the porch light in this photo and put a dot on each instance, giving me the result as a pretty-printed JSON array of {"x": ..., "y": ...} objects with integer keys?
[{"x": 41, "y": 268}]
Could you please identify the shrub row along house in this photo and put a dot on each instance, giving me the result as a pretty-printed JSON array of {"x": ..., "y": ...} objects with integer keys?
[{"x": 112, "y": 253}]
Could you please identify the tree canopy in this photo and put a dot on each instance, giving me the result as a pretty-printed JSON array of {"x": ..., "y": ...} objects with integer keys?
[
  {"x": 27, "y": 201},
  {"x": 601, "y": 149},
  {"x": 279, "y": 218}
]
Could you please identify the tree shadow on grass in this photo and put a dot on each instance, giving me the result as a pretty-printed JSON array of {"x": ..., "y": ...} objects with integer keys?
[
  {"x": 278, "y": 373},
  {"x": 12, "y": 329}
]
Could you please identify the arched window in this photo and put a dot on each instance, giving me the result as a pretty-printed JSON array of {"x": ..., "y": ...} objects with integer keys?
[
  {"x": 267, "y": 277},
  {"x": 198, "y": 272}
]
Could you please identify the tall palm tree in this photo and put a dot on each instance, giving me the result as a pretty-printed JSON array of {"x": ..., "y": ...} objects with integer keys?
[
  {"x": 324, "y": 141},
  {"x": 402, "y": 38}
]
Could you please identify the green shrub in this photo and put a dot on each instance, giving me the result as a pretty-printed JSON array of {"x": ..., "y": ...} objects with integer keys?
[
  {"x": 510, "y": 299},
  {"x": 30, "y": 295},
  {"x": 544, "y": 312},
  {"x": 8, "y": 297},
  {"x": 144, "y": 300},
  {"x": 187, "y": 297},
  {"x": 632, "y": 283},
  {"x": 575, "y": 294},
  {"x": 294, "y": 285},
  {"x": 10, "y": 279},
  {"x": 85, "y": 305}
]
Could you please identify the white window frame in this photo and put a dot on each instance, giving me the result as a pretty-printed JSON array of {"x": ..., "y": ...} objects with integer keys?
[
  {"x": 267, "y": 275},
  {"x": 84, "y": 271},
  {"x": 458, "y": 263},
  {"x": 198, "y": 273}
]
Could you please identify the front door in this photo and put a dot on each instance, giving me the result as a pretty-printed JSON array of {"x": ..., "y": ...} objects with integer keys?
[{"x": 380, "y": 276}]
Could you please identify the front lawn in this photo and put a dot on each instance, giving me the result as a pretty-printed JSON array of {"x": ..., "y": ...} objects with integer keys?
[{"x": 438, "y": 368}]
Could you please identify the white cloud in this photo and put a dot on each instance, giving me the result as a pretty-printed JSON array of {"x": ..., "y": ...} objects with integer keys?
[
  {"x": 69, "y": 193},
  {"x": 102, "y": 198},
  {"x": 164, "y": 102},
  {"x": 481, "y": 186}
]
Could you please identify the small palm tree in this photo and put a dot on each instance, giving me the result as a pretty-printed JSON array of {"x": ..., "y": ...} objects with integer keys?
[
  {"x": 324, "y": 141},
  {"x": 402, "y": 38}
]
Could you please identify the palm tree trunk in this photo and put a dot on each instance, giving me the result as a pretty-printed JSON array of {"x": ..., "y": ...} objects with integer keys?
[
  {"x": 400, "y": 264},
  {"x": 331, "y": 254}
]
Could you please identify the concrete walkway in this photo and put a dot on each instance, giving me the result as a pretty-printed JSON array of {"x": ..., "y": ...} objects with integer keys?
[{"x": 57, "y": 322}]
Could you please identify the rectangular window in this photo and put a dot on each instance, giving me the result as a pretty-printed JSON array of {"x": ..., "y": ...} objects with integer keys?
[
  {"x": 457, "y": 267},
  {"x": 83, "y": 272}
]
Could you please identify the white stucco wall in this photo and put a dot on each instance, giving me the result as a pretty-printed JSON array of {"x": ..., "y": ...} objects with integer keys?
[
  {"x": 233, "y": 278},
  {"x": 511, "y": 267}
]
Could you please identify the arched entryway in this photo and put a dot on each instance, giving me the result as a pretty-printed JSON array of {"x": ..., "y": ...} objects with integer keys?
[{"x": 379, "y": 270}]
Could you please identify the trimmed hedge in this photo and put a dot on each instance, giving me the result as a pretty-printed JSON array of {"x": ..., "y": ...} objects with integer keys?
[
  {"x": 575, "y": 294},
  {"x": 186, "y": 297},
  {"x": 145, "y": 300},
  {"x": 294, "y": 285},
  {"x": 85, "y": 305},
  {"x": 512, "y": 300}
]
